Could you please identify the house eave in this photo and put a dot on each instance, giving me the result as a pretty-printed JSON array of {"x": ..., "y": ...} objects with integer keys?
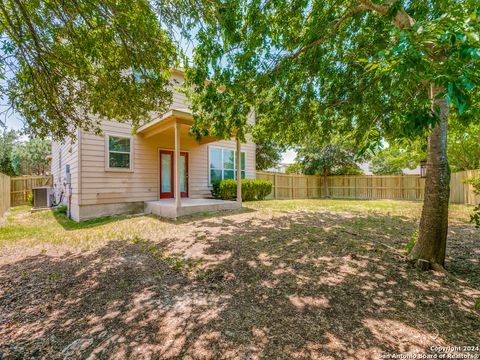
[{"x": 184, "y": 115}]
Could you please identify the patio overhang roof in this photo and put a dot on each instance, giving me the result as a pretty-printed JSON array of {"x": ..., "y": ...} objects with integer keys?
[{"x": 168, "y": 121}]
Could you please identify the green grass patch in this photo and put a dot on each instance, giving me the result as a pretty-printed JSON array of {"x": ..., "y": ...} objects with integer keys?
[{"x": 411, "y": 242}]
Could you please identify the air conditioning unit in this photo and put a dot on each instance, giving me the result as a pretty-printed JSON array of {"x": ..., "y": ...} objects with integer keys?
[{"x": 42, "y": 197}]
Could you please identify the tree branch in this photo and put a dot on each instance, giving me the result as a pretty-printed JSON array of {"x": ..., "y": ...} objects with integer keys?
[
  {"x": 401, "y": 19},
  {"x": 325, "y": 38}
]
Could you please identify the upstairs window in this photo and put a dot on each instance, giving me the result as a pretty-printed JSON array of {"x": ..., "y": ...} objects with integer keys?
[
  {"x": 223, "y": 164},
  {"x": 119, "y": 152}
]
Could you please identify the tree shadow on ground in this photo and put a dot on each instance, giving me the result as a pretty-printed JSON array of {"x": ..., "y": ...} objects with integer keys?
[{"x": 303, "y": 285}]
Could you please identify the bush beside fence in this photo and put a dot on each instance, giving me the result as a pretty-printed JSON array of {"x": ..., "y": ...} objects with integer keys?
[{"x": 251, "y": 189}]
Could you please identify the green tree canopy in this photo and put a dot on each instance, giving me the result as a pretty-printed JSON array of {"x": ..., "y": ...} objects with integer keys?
[
  {"x": 463, "y": 145},
  {"x": 463, "y": 149},
  {"x": 398, "y": 156},
  {"x": 8, "y": 139},
  {"x": 323, "y": 66},
  {"x": 30, "y": 157},
  {"x": 376, "y": 69},
  {"x": 267, "y": 154},
  {"x": 67, "y": 64},
  {"x": 327, "y": 159},
  {"x": 323, "y": 160},
  {"x": 294, "y": 168}
]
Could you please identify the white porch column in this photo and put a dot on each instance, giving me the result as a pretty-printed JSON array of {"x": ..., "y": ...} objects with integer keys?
[
  {"x": 239, "y": 173},
  {"x": 177, "y": 167}
]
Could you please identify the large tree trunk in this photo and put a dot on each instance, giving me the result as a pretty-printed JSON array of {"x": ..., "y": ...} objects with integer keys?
[
  {"x": 432, "y": 237},
  {"x": 325, "y": 183}
]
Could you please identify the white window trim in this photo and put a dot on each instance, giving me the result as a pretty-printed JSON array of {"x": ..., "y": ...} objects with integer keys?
[
  {"x": 223, "y": 169},
  {"x": 107, "y": 153}
]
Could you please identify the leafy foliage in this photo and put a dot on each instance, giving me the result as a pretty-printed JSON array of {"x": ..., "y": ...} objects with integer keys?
[
  {"x": 30, "y": 157},
  {"x": 411, "y": 242},
  {"x": 7, "y": 143},
  {"x": 463, "y": 148},
  {"x": 322, "y": 160},
  {"x": 23, "y": 157},
  {"x": 323, "y": 67},
  {"x": 396, "y": 157},
  {"x": 347, "y": 170},
  {"x": 68, "y": 64},
  {"x": 267, "y": 154},
  {"x": 251, "y": 189},
  {"x": 295, "y": 168},
  {"x": 464, "y": 145},
  {"x": 475, "y": 217}
]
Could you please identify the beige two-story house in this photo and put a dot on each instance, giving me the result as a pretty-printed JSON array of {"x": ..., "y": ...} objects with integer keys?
[{"x": 160, "y": 169}]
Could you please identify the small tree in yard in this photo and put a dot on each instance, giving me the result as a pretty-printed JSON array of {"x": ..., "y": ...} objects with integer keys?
[
  {"x": 322, "y": 160},
  {"x": 375, "y": 69}
]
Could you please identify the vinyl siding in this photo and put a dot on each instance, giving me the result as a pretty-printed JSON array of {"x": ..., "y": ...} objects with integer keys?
[
  {"x": 101, "y": 186},
  {"x": 66, "y": 153}
]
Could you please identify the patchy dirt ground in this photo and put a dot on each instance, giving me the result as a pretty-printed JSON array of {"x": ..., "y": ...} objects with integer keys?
[{"x": 280, "y": 280}]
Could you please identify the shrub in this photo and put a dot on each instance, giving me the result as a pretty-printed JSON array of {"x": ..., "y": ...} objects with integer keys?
[
  {"x": 62, "y": 209},
  {"x": 224, "y": 189},
  {"x": 475, "y": 217},
  {"x": 251, "y": 189},
  {"x": 30, "y": 198},
  {"x": 264, "y": 189}
]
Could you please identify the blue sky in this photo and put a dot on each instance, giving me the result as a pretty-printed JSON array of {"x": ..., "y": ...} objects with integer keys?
[{"x": 13, "y": 121}]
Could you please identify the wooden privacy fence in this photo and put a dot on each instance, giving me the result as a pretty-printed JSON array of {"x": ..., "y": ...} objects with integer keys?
[
  {"x": 21, "y": 186},
  {"x": 395, "y": 187},
  {"x": 461, "y": 193},
  {"x": 4, "y": 194}
]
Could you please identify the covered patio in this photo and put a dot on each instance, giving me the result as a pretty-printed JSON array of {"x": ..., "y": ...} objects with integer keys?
[{"x": 174, "y": 198}]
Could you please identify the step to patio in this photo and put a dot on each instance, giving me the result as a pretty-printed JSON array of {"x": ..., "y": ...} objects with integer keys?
[{"x": 166, "y": 207}]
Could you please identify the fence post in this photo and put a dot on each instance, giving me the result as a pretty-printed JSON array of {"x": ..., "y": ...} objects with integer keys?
[
  {"x": 308, "y": 190},
  {"x": 319, "y": 186},
  {"x": 355, "y": 187},
  {"x": 275, "y": 186},
  {"x": 292, "y": 195}
]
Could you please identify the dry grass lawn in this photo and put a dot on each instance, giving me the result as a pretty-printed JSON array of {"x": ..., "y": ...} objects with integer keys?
[{"x": 303, "y": 279}]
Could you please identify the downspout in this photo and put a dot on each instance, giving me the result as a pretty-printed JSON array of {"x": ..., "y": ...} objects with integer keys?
[{"x": 79, "y": 170}]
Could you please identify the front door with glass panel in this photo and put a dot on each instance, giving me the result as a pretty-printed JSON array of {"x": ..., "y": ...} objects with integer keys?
[{"x": 167, "y": 176}]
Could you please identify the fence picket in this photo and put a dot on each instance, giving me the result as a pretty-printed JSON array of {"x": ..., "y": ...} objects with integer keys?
[
  {"x": 21, "y": 186},
  {"x": 395, "y": 187}
]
